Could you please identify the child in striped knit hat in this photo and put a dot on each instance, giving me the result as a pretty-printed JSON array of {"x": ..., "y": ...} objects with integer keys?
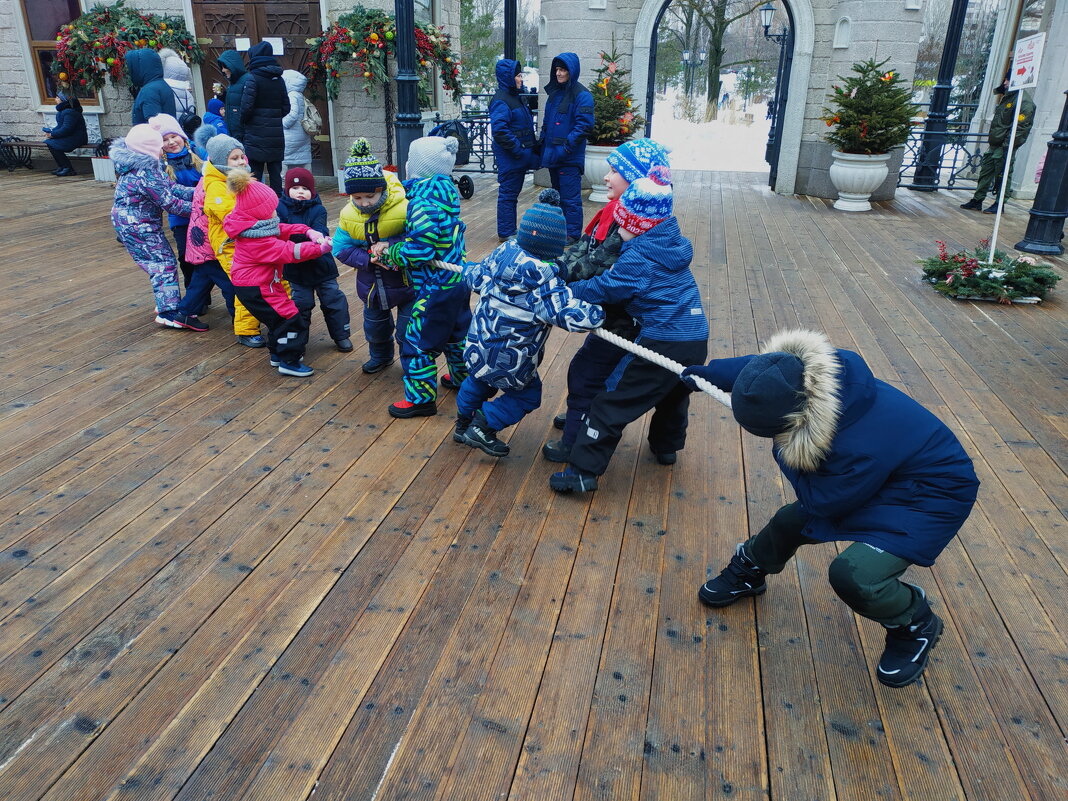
[
  {"x": 522, "y": 297},
  {"x": 652, "y": 280}
]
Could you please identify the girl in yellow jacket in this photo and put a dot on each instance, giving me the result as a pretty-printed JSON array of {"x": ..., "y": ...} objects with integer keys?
[{"x": 224, "y": 154}]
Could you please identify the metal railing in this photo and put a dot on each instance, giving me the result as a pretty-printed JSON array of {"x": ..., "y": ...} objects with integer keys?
[
  {"x": 961, "y": 153},
  {"x": 475, "y": 121}
]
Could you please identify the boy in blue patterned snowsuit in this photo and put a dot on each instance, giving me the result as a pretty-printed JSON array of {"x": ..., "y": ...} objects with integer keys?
[
  {"x": 522, "y": 297},
  {"x": 441, "y": 313}
]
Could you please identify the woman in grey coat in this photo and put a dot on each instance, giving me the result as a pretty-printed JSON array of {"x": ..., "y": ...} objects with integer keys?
[{"x": 298, "y": 143}]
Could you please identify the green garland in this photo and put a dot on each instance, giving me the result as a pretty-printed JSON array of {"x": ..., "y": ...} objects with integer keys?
[
  {"x": 362, "y": 41},
  {"x": 965, "y": 275},
  {"x": 92, "y": 49}
]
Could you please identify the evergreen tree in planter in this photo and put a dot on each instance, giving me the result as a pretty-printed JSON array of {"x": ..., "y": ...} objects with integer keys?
[
  {"x": 614, "y": 120},
  {"x": 870, "y": 113}
]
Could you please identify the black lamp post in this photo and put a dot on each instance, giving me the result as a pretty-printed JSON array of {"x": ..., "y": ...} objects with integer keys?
[
  {"x": 783, "y": 38},
  {"x": 1046, "y": 226},
  {"x": 690, "y": 62},
  {"x": 409, "y": 120},
  {"x": 509, "y": 28},
  {"x": 929, "y": 164}
]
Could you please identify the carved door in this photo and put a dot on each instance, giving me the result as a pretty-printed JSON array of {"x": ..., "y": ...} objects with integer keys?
[{"x": 219, "y": 23}]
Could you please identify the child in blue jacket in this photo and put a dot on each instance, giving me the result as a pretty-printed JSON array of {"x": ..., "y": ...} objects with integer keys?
[
  {"x": 183, "y": 167},
  {"x": 300, "y": 204},
  {"x": 869, "y": 465},
  {"x": 522, "y": 297},
  {"x": 652, "y": 280}
]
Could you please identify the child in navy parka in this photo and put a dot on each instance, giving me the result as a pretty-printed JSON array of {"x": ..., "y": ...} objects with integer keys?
[
  {"x": 869, "y": 465},
  {"x": 300, "y": 204}
]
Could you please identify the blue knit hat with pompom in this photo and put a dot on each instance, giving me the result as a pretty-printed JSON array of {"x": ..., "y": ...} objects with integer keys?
[{"x": 542, "y": 231}]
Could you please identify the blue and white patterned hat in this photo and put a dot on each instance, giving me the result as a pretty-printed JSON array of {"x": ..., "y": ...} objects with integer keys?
[
  {"x": 635, "y": 158},
  {"x": 646, "y": 202}
]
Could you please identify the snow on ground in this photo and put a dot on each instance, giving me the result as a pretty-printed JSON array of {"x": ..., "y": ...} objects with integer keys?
[{"x": 724, "y": 144}]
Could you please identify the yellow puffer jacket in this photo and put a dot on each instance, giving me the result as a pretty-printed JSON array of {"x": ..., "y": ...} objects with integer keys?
[
  {"x": 390, "y": 218},
  {"x": 218, "y": 202}
]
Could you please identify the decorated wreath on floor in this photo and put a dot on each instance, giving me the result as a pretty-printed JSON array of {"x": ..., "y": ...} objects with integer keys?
[
  {"x": 965, "y": 275},
  {"x": 361, "y": 42},
  {"x": 92, "y": 49}
]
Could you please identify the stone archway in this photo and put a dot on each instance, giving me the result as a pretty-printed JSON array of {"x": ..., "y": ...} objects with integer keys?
[{"x": 804, "y": 27}]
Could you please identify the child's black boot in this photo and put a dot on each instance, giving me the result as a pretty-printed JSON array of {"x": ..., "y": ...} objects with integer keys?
[
  {"x": 739, "y": 579},
  {"x": 909, "y": 647},
  {"x": 462, "y": 422},
  {"x": 573, "y": 480},
  {"x": 480, "y": 435}
]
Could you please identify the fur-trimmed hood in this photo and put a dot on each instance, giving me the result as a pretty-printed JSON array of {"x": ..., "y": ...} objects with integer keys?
[{"x": 810, "y": 431}]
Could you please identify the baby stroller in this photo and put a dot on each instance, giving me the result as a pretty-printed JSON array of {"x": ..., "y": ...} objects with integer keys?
[{"x": 457, "y": 131}]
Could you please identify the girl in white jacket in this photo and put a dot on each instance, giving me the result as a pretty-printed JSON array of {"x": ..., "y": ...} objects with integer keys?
[{"x": 298, "y": 143}]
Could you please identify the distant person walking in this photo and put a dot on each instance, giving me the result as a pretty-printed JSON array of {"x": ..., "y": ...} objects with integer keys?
[
  {"x": 992, "y": 166},
  {"x": 567, "y": 123},
  {"x": 264, "y": 103},
  {"x": 232, "y": 66},
  {"x": 298, "y": 142},
  {"x": 68, "y": 133},
  {"x": 513, "y": 142},
  {"x": 154, "y": 95}
]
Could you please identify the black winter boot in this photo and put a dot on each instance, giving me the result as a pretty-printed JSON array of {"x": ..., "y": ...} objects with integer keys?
[
  {"x": 909, "y": 647},
  {"x": 972, "y": 205},
  {"x": 739, "y": 579},
  {"x": 480, "y": 435},
  {"x": 462, "y": 422}
]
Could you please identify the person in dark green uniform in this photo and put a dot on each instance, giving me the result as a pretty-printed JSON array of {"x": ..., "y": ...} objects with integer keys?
[{"x": 993, "y": 164}]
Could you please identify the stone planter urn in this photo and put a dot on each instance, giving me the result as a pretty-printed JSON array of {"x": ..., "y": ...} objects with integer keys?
[
  {"x": 596, "y": 169},
  {"x": 856, "y": 176}
]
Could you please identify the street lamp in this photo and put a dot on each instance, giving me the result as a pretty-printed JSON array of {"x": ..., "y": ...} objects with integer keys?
[
  {"x": 782, "y": 74},
  {"x": 690, "y": 62}
]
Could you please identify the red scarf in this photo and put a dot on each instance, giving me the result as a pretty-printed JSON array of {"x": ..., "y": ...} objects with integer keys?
[{"x": 602, "y": 221}]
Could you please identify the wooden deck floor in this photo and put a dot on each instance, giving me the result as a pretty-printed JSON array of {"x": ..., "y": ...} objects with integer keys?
[{"x": 218, "y": 583}]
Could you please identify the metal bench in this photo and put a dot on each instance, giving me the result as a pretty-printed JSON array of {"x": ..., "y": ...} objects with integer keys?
[{"x": 16, "y": 152}]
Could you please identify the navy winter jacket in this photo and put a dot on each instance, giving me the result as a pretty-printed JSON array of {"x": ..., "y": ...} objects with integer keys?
[
  {"x": 69, "y": 131},
  {"x": 311, "y": 213},
  {"x": 154, "y": 95},
  {"x": 512, "y": 123},
  {"x": 231, "y": 59},
  {"x": 887, "y": 472},
  {"x": 264, "y": 102},
  {"x": 652, "y": 279},
  {"x": 568, "y": 117}
]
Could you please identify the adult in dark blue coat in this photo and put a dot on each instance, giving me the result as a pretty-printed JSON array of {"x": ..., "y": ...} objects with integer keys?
[
  {"x": 869, "y": 465},
  {"x": 67, "y": 134},
  {"x": 567, "y": 122},
  {"x": 231, "y": 65},
  {"x": 513, "y": 142},
  {"x": 154, "y": 95},
  {"x": 264, "y": 102}
]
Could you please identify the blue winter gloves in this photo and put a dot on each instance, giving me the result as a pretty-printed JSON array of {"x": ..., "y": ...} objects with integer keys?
[
  {"x": 47, "y": 130},
  {"x": 700, "y": 370}
]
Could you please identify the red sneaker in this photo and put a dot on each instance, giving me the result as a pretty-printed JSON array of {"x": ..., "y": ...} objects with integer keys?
[{"x": 405, "y": 409}]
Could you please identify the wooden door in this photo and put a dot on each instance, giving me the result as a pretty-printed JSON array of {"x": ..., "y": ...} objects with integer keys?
[{"x": 219, "y": 23}]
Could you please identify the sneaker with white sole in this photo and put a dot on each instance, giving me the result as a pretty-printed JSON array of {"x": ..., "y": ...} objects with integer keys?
[
  {"x": 908, "y": 648},
  {"x": 167, "y": 319},
  {"x": 299, "y": 369},
  {"x": 741, "y": 578}
]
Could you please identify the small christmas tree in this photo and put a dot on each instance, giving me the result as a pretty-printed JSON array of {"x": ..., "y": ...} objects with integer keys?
[
  {"x": 872, "y": 111},
  {"x": 614, "y": 118}
]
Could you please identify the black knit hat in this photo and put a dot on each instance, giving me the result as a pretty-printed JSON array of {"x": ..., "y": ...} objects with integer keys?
[
  {"x": 542, "y": 231},
  {"x": 363, "y": 173},
  {"x": 769, "y": 387}
]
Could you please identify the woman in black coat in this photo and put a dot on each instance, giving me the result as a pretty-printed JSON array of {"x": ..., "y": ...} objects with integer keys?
[
  {"x": 264, "y": 103},
  {"x": 68, "y": 134}
]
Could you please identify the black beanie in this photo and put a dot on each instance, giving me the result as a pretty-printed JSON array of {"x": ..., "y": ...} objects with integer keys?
[{"x": 769, "y": 387}]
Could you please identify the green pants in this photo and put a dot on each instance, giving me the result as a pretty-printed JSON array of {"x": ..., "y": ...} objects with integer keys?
[
  {"x": 990, "y": 169},
  {"x": 867, "y": 579}
]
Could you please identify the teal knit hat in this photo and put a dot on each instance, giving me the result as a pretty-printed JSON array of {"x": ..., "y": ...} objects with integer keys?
[{"x": 363, "y": 173}]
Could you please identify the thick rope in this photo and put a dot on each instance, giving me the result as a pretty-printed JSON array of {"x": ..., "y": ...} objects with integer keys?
[{"x": 631, "y": 347}]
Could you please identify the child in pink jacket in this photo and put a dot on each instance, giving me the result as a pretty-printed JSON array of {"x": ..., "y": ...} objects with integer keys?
[{"x": 261, "y": 249}]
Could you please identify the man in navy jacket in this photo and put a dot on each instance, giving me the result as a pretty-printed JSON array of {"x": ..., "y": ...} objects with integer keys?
[
  {"x": 513, "y": 142},
  {"x": 567, "y": 123}
]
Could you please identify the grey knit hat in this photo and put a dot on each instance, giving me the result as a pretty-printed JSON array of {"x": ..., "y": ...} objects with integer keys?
[
  {"x": 219, "y": 148},
  {"x": 432, "y": 155}
]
